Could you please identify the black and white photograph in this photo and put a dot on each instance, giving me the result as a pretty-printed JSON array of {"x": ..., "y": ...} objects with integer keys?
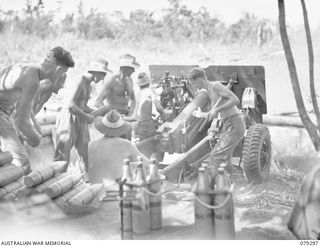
[{"x": 159, "y": 120}]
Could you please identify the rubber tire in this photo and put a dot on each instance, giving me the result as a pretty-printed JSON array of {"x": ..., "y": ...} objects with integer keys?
[{"x": 257, "y": 137}]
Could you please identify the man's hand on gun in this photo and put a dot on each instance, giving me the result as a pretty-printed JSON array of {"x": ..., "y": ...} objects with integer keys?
[
  {"x": 213, "y": 114},
  {"x": 200, "y": 114},
  {"x": 209, "y": 115}
]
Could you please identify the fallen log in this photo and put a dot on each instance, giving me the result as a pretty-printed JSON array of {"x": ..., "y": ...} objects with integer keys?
[{"x": 285, "y": 121}]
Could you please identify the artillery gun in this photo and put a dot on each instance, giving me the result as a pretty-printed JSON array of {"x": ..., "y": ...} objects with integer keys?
[{"x": 184, "y": 134}]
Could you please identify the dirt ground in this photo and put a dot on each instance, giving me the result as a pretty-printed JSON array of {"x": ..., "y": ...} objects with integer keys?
[{"x": 261, "y": 211}]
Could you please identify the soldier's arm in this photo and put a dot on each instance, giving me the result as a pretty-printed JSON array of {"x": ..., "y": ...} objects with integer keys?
[
  {"x": 157, "y": 102},
  {"x": 35, "y": 123},
  {"x": 158, "y": 106},
  {"x": 88, "y": 109},
  {"x": 74, "y": 93},
  {"x": 229, "y": 98},
  {"x": 30, "y": 88},
  {"x": 106, "y": 90},
  {"x": 132, "y": 97}
]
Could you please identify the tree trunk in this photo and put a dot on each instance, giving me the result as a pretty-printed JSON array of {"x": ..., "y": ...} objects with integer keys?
[
  {"x": 311, "y": 63},
  {"x": 310, "y": 127}
]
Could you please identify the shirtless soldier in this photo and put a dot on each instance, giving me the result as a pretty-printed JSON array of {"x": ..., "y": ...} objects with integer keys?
[
  {"x": 72, "y": 121},
  {"x": 118, "y": 90},
  {"x": 19, "y": 84},
  {"x": 47, "y": 88},
  {"x": 147, "y": 105},
  {"x": 233, "y": 124}
]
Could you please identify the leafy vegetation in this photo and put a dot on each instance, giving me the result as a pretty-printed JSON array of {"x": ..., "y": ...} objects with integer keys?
[{"x": 176, "y": 23}]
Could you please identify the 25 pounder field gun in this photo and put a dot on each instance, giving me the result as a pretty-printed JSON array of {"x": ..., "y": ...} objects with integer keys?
[{"x": 188, "y": 135}]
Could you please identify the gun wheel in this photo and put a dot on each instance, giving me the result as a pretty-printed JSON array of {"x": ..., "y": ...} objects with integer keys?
[{"x": 256, "y": 154}]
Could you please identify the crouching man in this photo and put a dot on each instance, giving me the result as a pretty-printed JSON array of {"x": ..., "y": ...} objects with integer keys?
[
  {"x": 19, "y": 85},
  {"x": 47, "y": 88},
  {"x": 107, "y": 153}
]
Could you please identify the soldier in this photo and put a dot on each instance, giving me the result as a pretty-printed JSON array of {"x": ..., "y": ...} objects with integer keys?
[
  {"x": 19, "y": 85},
  {"x": 147, "y": 105},
  {"x": 265, "y": 32},
  {"x": 233, "y": 124},
  {"x": 118, "y": 90},
  {"x": 72, "y": 121},
  {"x": 47, "y": 88},
  {"x": 106, "y": 154}
]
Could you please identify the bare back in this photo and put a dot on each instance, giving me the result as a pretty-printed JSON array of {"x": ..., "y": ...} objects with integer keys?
[
  {"x": 19, "y": 85},
  {"x": 12, "y": 81}
]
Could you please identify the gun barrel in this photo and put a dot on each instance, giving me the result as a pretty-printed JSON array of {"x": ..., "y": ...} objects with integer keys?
[
  {"x": 200, "y": 100},
  {"x": 195, "y": 154}
]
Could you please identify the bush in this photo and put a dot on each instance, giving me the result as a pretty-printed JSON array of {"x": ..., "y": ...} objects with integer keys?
[{"x": 176, "y": 23}]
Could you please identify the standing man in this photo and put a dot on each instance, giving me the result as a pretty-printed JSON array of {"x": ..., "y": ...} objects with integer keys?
[
  {"x": 118, "y": 90},
  {"x": 72, "y": 122},
  {"x": 19, "y": 85},
  {"x": 147, "y": 105},
  {"x": 233, "y": 124}
]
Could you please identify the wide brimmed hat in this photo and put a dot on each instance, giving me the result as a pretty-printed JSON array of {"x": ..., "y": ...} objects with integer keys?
[
  {"x": 100, "y": 65},
  {"x": 112, "y": 124},
  {"x": 143, "y": 79},
  {"x": 128, "y": 60}
]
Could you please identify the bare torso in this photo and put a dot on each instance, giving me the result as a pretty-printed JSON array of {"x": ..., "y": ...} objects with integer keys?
[
  {"x": 118, "y": 91},
  {"x": 214, "y": 96},
  {"x": 42, "y": 97},
  {"x": 19, "y": 85},
  {"x": 79, "y": 93},
  {"x": 145, "y": 106},
  {"x": 10, "y": 79},
  {"x": 84, "y": 92}
]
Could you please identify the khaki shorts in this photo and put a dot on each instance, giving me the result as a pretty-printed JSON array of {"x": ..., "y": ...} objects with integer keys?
[{"x": 232, "y": 133}]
